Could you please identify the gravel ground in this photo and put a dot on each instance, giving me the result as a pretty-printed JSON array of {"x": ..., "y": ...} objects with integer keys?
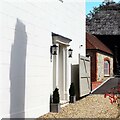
[{"x": 92, "y": 106}]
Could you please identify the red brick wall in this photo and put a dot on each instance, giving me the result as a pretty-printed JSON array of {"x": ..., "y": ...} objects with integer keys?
[
  {"x": 97, "y": 65},
  {"x": 93, "y": 64}
]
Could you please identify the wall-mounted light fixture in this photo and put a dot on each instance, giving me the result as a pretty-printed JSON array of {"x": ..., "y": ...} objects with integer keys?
[
  {"x": 53, "y": 49},
  {"x": 70, "y": 53}
]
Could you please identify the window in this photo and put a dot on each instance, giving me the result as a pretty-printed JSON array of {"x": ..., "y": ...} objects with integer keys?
[{"x": 106, "y": 68}]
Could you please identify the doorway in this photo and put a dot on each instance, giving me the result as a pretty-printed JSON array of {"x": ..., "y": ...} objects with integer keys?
[{"x": 60, "y": 72}]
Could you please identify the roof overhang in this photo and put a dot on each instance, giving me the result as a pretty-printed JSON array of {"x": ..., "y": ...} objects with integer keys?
[{"x": 60, "y": 39}]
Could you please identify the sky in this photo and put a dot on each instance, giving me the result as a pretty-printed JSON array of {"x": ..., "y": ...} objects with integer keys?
[{"x": 94, "y": 3}]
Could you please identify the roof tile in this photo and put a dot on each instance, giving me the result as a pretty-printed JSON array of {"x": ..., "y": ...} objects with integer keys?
[{"x": 92, "y": 42}]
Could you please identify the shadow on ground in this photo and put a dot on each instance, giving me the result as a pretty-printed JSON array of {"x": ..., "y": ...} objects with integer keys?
[{"x": 113, "y": 82}]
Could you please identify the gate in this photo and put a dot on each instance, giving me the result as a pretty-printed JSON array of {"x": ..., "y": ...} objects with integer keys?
[{"x": 84, "y": 76}]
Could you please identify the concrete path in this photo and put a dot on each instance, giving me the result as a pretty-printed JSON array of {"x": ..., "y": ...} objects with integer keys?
[{"x": 113, "y": 82}]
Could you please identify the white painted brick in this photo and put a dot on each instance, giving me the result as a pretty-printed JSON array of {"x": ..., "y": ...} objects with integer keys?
[{"x": 35, "y": 21}]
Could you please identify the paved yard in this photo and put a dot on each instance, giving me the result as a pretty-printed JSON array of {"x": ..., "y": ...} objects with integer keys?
[{"x": 92, "y": 106}]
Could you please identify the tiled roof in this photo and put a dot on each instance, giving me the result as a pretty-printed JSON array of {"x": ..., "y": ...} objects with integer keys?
[
  {"x": 92, "y": 42},
  {"x": 106, "y": 21}
]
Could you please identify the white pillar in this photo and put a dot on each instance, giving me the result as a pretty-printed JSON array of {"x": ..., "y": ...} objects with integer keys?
[
  {"x": 55, "y": 69},
  {"x": 66, "y": 74},
  {"x": 54, "y": 72}
]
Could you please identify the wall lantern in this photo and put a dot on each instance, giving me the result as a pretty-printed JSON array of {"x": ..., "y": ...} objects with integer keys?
[
  {"x": 70, "y": 53},
  {"x": 53, "y": 49}
]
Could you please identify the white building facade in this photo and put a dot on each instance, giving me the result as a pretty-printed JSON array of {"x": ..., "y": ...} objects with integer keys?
[{"x": 28, "y": 74}]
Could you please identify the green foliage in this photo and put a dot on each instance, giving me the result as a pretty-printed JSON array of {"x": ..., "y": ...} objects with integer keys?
[
  {"x": 72, "y": 90},
  {"x": 97, "y": 9},
  {"x": 107, "y": 2},
  {"x": 92, "y": 13},
  {"x": 56, "y": 98}
]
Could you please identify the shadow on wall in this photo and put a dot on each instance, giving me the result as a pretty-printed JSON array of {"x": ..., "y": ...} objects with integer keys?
[{"x": 17, "y": 71}]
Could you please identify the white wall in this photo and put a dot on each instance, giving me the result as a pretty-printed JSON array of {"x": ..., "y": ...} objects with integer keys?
[{"x": 25, "y": 39}]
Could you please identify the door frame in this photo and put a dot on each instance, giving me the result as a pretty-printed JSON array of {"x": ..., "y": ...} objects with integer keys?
[{"x": 60, "y": 75}]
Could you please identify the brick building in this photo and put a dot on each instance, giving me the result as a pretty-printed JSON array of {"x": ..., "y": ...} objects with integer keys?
[
  {"x": 101, "y": 58},
  {"x": 104, "y": 23}
]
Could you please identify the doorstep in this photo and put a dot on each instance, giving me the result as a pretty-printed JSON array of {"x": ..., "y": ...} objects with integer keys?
[{"x": 63, "y": 103}]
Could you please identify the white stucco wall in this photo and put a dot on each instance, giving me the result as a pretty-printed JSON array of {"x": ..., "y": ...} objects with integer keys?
[{"x": 25, "y": 39}]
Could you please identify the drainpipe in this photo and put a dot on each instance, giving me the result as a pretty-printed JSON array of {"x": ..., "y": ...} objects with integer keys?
[{"x": 116, "y": 61}]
